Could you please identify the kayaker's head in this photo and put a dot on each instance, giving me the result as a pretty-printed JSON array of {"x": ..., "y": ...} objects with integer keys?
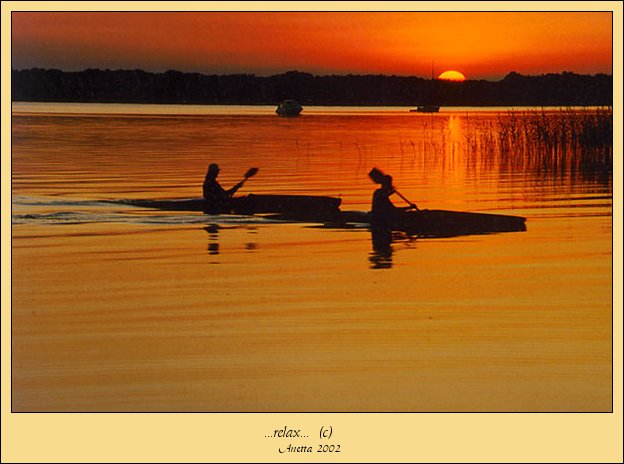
[
  {"x": 386, "y": 182},
  {"x": 213, "y": 171},
  {"x": 376, "y": 175}
]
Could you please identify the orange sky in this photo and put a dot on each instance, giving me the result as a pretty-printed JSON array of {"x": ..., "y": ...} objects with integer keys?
[{"x": 480, "y": 45}]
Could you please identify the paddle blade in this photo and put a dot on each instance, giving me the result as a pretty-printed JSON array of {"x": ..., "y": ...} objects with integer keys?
[
  {"x": 376, "y": 175},
  {"x": 251, "y": 172}
]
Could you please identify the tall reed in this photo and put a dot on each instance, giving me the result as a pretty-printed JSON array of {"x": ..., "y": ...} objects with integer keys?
[{"x": 566, "y": 140}]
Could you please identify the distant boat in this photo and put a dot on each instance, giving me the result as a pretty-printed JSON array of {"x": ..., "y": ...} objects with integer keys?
[
  {"x": 289, "y": 108},
  {"x": 426, "y": 109}
]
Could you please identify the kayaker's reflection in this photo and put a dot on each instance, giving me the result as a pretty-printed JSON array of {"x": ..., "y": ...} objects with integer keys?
[
  {"x": 381, "y": 256},
  {"x": 213, "y": 239}
]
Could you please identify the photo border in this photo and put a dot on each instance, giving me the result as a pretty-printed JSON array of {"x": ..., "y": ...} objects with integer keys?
[{"x": 364, "y": 437}]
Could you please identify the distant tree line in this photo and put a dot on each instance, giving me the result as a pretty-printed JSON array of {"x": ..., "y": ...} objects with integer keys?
[{"x": 136, "y": 86}]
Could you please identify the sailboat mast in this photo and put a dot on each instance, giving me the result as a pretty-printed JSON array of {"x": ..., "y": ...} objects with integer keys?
[{"x": 431, "y": 106}]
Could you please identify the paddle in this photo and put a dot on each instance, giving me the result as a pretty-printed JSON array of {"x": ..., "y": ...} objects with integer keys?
[
  {"x": 250, "y": 173},
  {"x": 378, "y": 177}
]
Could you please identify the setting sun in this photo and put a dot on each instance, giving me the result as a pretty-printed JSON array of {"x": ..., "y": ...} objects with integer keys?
[{"x": 452, "y": 76}]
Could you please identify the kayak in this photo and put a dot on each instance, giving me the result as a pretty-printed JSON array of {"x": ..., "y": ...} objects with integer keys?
[
  {"x": 441, "y": 223},
  {"x": 326, "y": 211},
  {"x": 287, "y": 204},
  {"x": 250, "y": 204}
]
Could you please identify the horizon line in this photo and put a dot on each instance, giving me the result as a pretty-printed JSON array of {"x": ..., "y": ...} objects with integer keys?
[{"x": 252, "y": 74}]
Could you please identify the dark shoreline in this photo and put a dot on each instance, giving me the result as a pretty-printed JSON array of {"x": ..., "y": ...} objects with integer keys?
[{"x": 174, "y": 87}]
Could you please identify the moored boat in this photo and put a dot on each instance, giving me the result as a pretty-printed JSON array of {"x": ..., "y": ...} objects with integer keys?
[
  {"x": 289, "y": 108},
  {"x": 426, "y": 109},
  {"x": 429, "y": 107}
]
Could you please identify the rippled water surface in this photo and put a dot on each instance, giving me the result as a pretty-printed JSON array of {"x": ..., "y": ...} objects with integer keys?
[{"x": 121, "y": 308}]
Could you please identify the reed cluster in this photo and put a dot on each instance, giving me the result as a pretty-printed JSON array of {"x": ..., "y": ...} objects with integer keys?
[{"x": 566, "y": 140}]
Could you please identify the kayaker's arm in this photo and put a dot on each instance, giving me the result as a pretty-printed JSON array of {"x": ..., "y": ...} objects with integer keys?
[
  {"x": 234, "y": 189},
  {"x": 406, "y": 208},
  {"x": 250, "y": 173}
]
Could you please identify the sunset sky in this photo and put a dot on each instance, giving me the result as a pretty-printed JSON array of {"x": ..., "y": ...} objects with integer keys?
[{"x": 479, "y": 45}]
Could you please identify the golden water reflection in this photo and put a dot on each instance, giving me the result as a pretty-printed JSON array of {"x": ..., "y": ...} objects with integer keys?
[{"x": 117, "y": 308}]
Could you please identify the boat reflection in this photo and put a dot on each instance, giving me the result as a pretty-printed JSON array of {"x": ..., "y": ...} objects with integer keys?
[{"x": 213, "y": 239}]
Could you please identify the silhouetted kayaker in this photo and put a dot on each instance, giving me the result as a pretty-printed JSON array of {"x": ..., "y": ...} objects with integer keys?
[
  {"x": 383, "y": 210},
  {"x": 218, "y": 200},
  {"x": 383, "y": 213}
]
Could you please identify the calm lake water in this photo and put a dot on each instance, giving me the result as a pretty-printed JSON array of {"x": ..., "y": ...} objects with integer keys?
[{"x": 119, "y": 308}]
